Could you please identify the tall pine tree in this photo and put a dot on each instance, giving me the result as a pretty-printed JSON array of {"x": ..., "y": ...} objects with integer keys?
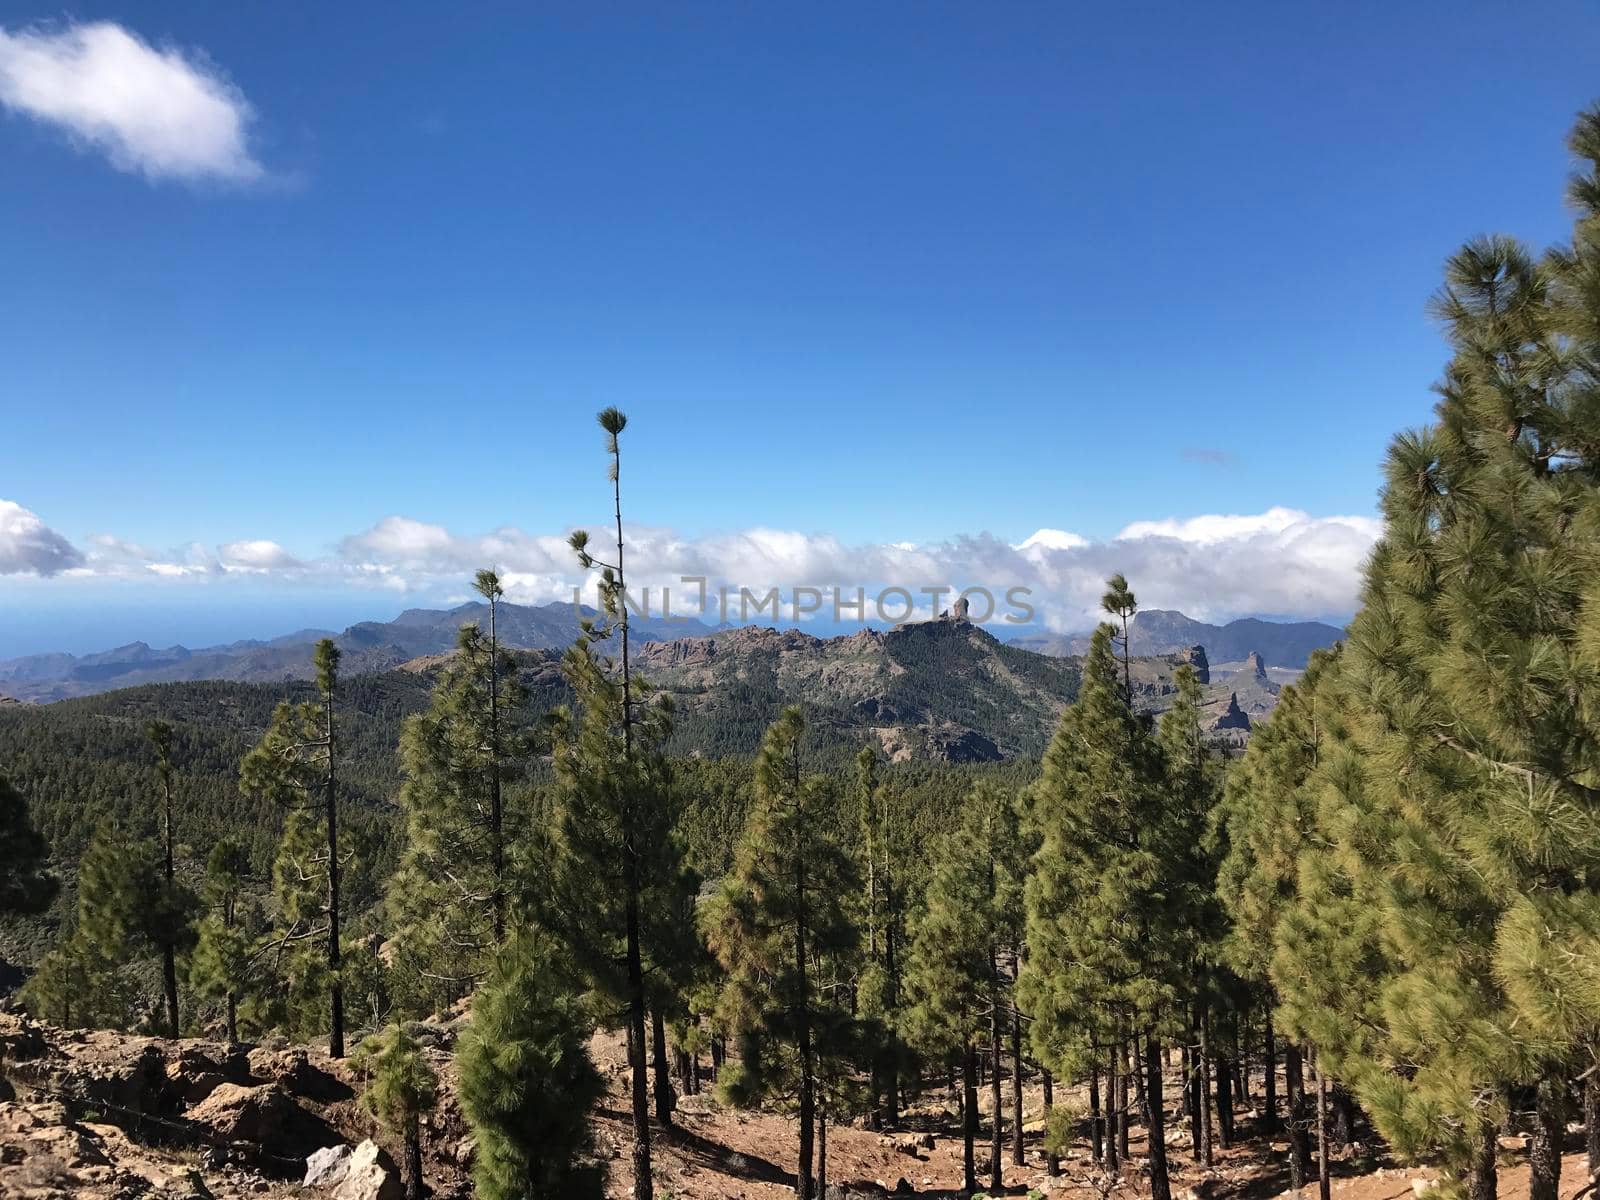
[
  {"x": 447, "y": 900},
  {"x": 782, "y": 908},
  {"x": 1107, "y": 905},
  {"x": 296, "y": 765}
]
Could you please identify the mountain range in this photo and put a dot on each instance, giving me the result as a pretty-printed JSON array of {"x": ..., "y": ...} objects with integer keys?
[
  {"x": 1163, "y": 631},
  {"x": 369, "y": 647}
]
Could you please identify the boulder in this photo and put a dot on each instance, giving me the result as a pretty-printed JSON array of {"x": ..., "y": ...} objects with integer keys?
[
  {"x": 298, "y": 1075},
  {"x": 327, "y": 1167},
  {"x": 369, "y": 1175},
  {"x": 198, "y": 1069},
  {"x": 245, "y": 1114}
]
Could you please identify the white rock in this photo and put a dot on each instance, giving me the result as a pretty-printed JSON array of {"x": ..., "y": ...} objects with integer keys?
[
  {"x": 327, "y": 1167},
  {"x": 1422, "y": 1187},
  {"x": 367, "y": 1178}
]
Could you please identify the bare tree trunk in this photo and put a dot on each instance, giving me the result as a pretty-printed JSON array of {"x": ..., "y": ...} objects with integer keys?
[
  {"x": 1124, "y": 1065},
  {"x": 822, "y": 1150},
  {"x": 1097, "y": 1121},
  {"x": 1052, "y": 1160},
  {"x": 1016, "y": 1087},
  {"x": 414, "y": 1182},
  {"x": 1324, "y": 1184},
  {"x": 969, "y": 1116},
  {"x": 1294, "y": 1082},
  {"x": 1155, "y": 1127},
  {"x": 1224, "y": 1070},
  {"x": 1591, "y": 1118},
  {"x": 169, "y": 979},
  {"x": 1269, "y": 1124},
  {"x": 1483, "y": 1181},
  {"x": 1202, "y": 1091},
  {"x": 643, "y": 1184},
  {"x": 663, "y": 1092},
  {"x": 1544, "y": 1151},
  {"x": 1111, "y": 1159},
  {"x": 997, "y": 1141}
]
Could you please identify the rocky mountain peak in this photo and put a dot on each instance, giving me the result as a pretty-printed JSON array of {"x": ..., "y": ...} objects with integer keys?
[
  {"x": 1195, "y": 656},
  {"x": 1234, "y": 718}
]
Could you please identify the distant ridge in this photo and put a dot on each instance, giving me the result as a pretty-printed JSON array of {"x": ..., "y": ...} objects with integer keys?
[
  {"x": 1163, "y": 631},
  {"x": 369, "y": 647}
]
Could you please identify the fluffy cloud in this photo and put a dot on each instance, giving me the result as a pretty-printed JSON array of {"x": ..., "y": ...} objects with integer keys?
[
  {"x": 165, "y": 114},
  {"x": 1282, "y": 562},
  {"x": 258, "y": 556},
  {"x": 30, "y": 547}
]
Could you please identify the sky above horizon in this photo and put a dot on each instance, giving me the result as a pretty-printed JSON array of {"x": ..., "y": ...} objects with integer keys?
[{"x": 308, "y": 310}]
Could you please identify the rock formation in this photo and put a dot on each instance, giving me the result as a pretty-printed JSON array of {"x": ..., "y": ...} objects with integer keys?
[
  {"x": 1195, "y": 656},
  {"x": 1234, "y": 718}
]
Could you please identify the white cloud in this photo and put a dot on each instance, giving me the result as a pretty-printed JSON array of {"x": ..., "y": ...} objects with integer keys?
[
  {"x": 165, "y": 114},
  {"x": 30, "y": 547},
  {"x": 1045, "y": 540},
  {"x": 1282, "y": 562},
  {"x": 258, "y": 556}
]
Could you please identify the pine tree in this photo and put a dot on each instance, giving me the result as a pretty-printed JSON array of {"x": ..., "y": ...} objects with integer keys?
[
  {"x": 401, "y": 1089},
  {"x": 955, "y": 980},
  {"x": 1458, "y": 820},
  {"x": 487, "y": 585},
  {"x": 1119, "y": 602},
  {"x": 447, "y": 899},
  {"x": 526, "y": 1081},
  {"x": 126, "y": 912},
  {"x": 26, "y": 883},
  {"x": 1266, "y": 817},
  {"x": 780, "y": 910},
  {"x": 1108, "y": 902},
  {"x": 881, "y": 853},
  {"x": 160, "y": 735},
  {"x": 296, "y": 765},
  {"x": 224, "y": 964},
  {"x": 616, "y": 821}
]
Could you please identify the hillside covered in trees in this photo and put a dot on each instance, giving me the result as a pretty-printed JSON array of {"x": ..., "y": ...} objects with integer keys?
[{"x": 1374, "y": 936}]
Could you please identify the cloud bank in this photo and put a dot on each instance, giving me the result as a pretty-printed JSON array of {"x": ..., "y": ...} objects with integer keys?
[
  {"x": 164, "y": 114},
  {"x": 30, "y": 547},
  {"x": 1283, "y": 562}
]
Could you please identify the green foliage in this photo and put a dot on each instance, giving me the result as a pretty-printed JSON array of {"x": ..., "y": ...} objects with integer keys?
[
  {"x": 401, "y": 1085},
  {"x": 26, "y": 884},
  {"x": 1109, "y": 903},
  {"x": 1417, "y": 830},
  {"x": 448, "y": 895},
  {"x": 526, "y": 1081},
  {"x": 780, "y": 926},
  {"x": 225, "y": 967},
  {"x": 612, "y": 810},
  {"x": 127, "y": 911},
  {"x": 971, "y": 908},
  {"x": 295, "y": 766}
]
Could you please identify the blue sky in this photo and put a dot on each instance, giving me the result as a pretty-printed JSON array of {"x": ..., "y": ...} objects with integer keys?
[{"x": 861, "y": 275}]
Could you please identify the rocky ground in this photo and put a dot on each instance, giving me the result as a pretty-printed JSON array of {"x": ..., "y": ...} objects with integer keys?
[{"x": 103, "y": 1115}]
